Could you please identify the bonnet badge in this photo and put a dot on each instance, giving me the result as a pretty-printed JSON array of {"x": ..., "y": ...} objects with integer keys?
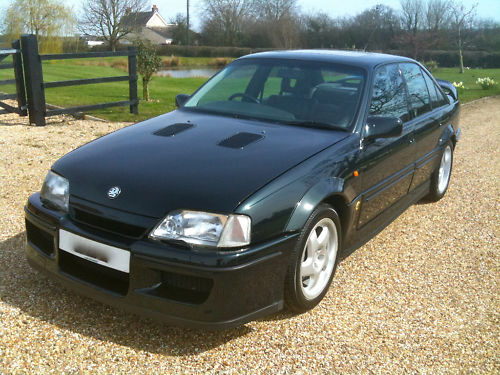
[{"x": 114, "y": 192}]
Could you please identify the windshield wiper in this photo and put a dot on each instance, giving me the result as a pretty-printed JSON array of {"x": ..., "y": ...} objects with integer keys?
[{"x": 315, "y": 124}]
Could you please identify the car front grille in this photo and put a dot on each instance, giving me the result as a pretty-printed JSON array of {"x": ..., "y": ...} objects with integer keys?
[
  {"x": 41, "y": 239},
  {"x": 109, "y": 225},
  {"x": 95, "y": 274},
  {"x": 183, "y": 288}
]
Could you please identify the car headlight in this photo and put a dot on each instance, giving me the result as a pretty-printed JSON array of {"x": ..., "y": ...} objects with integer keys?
[
  {"x": 55, "y": 192},
  {"x": 206, "y": 229}
]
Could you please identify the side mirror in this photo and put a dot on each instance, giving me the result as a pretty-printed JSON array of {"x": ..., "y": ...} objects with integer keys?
[
  {"x": 383, "y": 127},
  {"x": 448, "y": 88},
  {"x": 181, "y": 99}
]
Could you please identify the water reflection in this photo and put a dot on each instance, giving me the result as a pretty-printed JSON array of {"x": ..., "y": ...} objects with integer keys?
[{"x": 186, "y": 73}]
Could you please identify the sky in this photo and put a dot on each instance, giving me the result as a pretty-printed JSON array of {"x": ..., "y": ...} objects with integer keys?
[{"x": 334, "y": 8}]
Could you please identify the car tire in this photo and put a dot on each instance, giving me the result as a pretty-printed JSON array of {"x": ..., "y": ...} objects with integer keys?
[
  {"x": 314, "y": 260},
  {"x": 440, "y": 178}
]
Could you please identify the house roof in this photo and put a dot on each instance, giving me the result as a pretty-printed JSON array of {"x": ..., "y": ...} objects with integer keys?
[{"x": 137, "y": 19}]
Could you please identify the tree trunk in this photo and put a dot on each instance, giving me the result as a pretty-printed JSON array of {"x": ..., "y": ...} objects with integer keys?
[
  {"x": 460, "y": 56},
  {"x": 145, "y": 89}
]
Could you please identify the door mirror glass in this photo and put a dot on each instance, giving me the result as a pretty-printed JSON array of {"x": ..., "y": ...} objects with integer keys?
[
  {"x": 383, "y": 127},
  {"x": 448, "y": 89},
  {"x": 180, "y": 99}
]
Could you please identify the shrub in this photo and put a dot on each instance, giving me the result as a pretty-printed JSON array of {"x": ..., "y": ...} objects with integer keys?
[
  {"x": 220, "y": 62},
  {"x": 431, "y": 65},
  {"x": 486, "y": 83},
  {"x": 148, "y": 62}
]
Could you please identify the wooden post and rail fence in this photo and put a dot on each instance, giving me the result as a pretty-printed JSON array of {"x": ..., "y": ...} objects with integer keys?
[{"x": 30, "y": 86}]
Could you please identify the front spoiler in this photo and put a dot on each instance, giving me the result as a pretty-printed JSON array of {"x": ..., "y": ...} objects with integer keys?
[{"x": 246, "y": 285}]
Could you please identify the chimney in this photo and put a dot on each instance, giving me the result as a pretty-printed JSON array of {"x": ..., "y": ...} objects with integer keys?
[{"x": 155, "y": 9}]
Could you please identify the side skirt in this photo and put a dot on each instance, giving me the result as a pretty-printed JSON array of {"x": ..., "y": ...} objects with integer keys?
[{"x": 365, "y": 234}]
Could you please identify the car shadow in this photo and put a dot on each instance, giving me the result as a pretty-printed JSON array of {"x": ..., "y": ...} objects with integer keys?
[{"x": 46, "y": 300}]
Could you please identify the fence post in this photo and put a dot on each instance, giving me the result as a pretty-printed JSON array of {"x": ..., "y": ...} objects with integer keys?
[
  {"x": 34, "y": 79},
  {"x": 132, "y": 80},
  {"x": 18, "y": 74}
]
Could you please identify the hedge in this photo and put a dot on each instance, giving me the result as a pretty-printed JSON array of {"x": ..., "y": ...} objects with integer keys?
[
  {"x": 205, "y": 51},
  {"x": 473, "y": 59}
]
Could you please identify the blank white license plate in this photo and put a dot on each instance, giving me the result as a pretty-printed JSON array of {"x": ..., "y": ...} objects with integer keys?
[{"x": 105, "y": 255}]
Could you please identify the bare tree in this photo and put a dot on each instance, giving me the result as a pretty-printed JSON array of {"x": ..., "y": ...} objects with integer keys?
[
  {"x": 411, "y": 15},
  {"x": 320, "y": 30},
  {"x": 279, "y": 19},
  {"x": 47, "y": 19},
  {"x": 110, "y": 19},
  {"x": 374, "y": 27},
  {"x": 438, "y": 14},
  {"x": 224, "y": 19},
  {"x": 463, "y": 20},
  {"x": 412, "y": 20}
]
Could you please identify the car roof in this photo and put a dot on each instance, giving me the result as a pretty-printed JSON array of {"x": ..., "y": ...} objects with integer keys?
[{"x": 365, "y": 60}]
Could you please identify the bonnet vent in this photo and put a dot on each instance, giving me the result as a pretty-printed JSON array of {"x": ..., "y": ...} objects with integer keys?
[
  {"x": 240, "y": 140},
  {"x": 174, "y": 129}
]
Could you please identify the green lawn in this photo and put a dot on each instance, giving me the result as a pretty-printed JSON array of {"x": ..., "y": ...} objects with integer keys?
[
  {"x": 164, "y": 89},
  {"x": 472, "y": 90}
]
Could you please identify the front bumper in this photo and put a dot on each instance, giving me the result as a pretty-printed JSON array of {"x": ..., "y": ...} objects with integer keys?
[{"x": 191, "y": 288}]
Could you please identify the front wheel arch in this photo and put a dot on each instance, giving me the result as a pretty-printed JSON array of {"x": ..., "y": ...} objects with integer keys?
[
  {"x": 301, "y": 291},
  {"x": 329, "y": 192}
]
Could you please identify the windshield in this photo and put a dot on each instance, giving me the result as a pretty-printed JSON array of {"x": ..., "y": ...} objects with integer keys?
[{"x": 300, "y": 93}]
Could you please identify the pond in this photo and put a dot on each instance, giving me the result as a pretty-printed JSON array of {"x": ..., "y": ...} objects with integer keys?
[{"x": 186, "y": 73}]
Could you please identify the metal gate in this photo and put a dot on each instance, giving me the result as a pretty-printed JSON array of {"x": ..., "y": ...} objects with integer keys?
[{"x": 18, "y": 80}]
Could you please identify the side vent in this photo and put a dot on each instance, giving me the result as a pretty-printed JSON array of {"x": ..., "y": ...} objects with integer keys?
[
  {"x": 240, "y": 140},
  {"x": 174, "y": 129}
]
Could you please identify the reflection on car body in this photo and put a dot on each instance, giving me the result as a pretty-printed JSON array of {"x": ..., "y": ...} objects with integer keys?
[{"x": 244, "y": 198}]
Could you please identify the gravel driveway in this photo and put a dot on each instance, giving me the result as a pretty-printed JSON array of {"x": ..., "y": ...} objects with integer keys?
[{"x": 421, "y": 297}]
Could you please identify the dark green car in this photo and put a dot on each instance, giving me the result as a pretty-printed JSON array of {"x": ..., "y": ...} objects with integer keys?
[{"x": 244, "y": 199}]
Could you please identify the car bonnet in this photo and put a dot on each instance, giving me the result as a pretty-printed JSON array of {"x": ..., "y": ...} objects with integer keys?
[{"x": 185, "y": 160}]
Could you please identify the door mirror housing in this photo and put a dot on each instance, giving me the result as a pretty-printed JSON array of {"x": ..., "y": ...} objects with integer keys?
[
  {"x": 383, "y": 127},
  {"x": 448, "y": 89},
  {"x": 181, "y": 99}
]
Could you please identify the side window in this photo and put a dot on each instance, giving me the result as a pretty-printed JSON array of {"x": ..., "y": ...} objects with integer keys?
[
  {"x": 442, "y": 99},
  {"x": 432, "y": 91},
  {"x": 437, "y": 98},
  {"x": 389, "y": 94},
  {"x": 275, "y": 83},
  {"x": 418, "y": 94}
]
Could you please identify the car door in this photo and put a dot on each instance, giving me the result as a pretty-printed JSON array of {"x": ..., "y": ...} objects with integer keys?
[
  {"x": 386, "y": 165},
  {"x": 430, "y": 116}
]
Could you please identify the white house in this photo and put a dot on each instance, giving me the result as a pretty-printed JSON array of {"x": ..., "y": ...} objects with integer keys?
[{"x": 149, "y": 25}]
